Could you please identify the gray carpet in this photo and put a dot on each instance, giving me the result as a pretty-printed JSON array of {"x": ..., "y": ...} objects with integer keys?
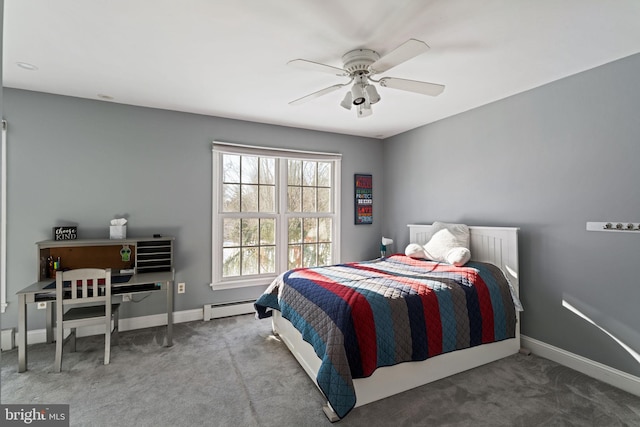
[{"x": 232, "y": 372}]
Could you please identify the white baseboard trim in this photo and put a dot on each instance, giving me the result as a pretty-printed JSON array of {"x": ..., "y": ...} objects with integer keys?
[
  {"x": 158, "y": 319},
  {"x": 40, "y": 335},
  {"x": 604, "y": 373}
]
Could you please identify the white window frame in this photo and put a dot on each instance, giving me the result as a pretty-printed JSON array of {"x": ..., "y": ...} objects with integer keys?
[{"x": 219, "y": 148}]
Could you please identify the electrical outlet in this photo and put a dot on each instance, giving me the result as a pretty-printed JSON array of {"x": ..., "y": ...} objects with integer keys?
[
  {"x": 42, "y": 305},
  {"x": 181, "y": 287}
]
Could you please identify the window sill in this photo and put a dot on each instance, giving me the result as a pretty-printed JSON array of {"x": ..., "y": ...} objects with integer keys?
[{"x": 235, "y": 284}]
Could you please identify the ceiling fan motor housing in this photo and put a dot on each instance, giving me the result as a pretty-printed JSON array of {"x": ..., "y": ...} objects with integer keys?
[{"x": 359, "y": 60}]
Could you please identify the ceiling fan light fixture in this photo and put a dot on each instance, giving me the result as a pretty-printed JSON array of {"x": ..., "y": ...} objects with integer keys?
[
  {"x": 372, "y": 94},
  {"x": 364, "y": 110},
  {"x": 358, "y": 94},
  {"x": 346, "y": 102}
]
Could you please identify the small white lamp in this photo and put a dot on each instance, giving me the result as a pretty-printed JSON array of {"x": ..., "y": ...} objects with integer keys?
[{"x": 383, "y": 246}]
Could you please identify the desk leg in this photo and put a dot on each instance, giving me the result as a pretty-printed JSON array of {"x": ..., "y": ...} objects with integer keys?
[
  {"x": 49, "y": 326},
  {"x": 22, "y": 333},
  {"x": 170, "y": 313}
]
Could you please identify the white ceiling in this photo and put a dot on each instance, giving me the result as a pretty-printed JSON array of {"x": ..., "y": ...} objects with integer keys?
[{"x": 228, "y": 58}]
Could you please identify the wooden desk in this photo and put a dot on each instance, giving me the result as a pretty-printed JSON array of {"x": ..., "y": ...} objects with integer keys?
[
  {"x": 37, "y": 292},
  {"x": 151, "y": 258}
]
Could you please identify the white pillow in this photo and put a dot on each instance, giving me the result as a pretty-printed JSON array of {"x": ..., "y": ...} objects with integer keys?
[
  {"x": 414, "y": 250},
  {"x": 449, "y": 243},
  {"x": 458, "y": 256}
]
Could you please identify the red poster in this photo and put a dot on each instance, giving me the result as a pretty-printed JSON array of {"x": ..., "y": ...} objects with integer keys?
[{"x": 363, "y": 199}]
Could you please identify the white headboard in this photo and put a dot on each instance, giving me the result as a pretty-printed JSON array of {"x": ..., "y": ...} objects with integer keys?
[{"x": 496, "y": 245}]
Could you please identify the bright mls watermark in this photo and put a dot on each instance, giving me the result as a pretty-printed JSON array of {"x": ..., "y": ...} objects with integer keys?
[{"x": 35, "y": 415}]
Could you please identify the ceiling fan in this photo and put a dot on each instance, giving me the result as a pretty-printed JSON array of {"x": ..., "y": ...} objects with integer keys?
[{"x": 360, "y": 65}]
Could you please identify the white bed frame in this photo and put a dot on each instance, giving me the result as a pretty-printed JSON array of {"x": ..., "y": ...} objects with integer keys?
[{"x": 497, "y": 245}]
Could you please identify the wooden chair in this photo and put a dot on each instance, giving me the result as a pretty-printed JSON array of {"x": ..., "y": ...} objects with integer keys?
[{"x": 83, "y": 298}]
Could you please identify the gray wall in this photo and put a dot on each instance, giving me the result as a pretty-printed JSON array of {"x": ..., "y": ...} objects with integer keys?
[
  {"x": 548, "y": 161},
  {"x": 84, "y": 162}
]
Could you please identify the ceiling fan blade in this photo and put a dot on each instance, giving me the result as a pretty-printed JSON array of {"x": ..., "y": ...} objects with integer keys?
[
  {"x": 316, "y": 66},
  {"x": 424, "y": 88},
  {"x": 316, "y": 94},
  {"x": 402, "y": 53}
]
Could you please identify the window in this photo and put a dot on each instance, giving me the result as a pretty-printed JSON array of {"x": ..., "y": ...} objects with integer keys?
[{"x": 273, "y": 210}]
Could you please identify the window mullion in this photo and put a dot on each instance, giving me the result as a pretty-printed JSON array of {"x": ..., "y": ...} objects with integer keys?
[{"x": 283, "y": 219}]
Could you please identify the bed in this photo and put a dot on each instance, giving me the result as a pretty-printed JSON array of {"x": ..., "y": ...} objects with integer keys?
[{"x": 333, "y": 351}]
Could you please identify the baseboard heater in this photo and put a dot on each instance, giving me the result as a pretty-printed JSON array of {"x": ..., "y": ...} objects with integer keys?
[{"x": 214, "y": 311}]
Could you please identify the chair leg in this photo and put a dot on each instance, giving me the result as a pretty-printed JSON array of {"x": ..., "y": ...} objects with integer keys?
[
  {"x": 59, "y": 344},
  {"x": 107, "y": 342},
  {"x": 72, "y": 340},
  {"x": 116, "y": 339}
]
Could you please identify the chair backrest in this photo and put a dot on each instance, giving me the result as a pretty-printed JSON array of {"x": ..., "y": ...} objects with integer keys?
[{"x": 83, "y": 286}]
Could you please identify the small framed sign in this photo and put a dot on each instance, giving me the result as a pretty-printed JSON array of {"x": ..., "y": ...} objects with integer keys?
[
  {"x": 363, "y": 198},
  {"x": 65, "y": 233}
]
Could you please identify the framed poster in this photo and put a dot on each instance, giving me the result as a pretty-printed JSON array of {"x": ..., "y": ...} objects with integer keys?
[{"x": 363, "y": 199}]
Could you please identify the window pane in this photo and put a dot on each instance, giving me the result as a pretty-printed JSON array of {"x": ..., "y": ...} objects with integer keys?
[
  {"x": 267, "y": 232},
  {"x": 249, "y": 170},
  {"x": 324, "y": 174},
  {"x": 295, "y": 230},
  {"x": 324, "y": 230},
  {"x": 267, "y": 260},
  {"x": 231, "y": 262},
  {"x": 249, "y": 261},
  {"x": 324, "y": 253},
  {"x": 249, "y": 198},
  {"x": 250, "y": 234},
  {"x": 310, "y": 256},
  {"x": 310, "y": 230},
  {"x": 324, "y": 200},
  {"x": 308, "y": 199},
  {"x": 294, "y": 172},
  {"x": 230, "y": 198},
  {"x": 267, "y": 198},
  {"x": 231, "y": 232},
  {"x": 295, "y": 256},
  {"x": 249, "y": 186},
  {"x": 294, "y": 199},
  {"x": 267, "y": 171},
  {"x": 230, "y": 168},
  {"x": 309, "y": 174}
]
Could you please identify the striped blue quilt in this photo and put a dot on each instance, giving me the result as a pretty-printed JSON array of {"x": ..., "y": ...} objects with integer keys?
[{"x": 364, "y": 315}]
